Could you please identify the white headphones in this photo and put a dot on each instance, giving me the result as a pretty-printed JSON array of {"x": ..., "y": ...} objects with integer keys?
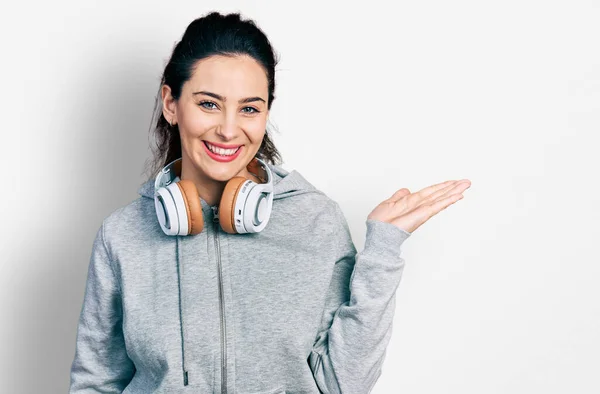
[{"x": 245, "y": 205}]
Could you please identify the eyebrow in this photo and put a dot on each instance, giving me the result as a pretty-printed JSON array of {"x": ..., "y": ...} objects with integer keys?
[{"x": 219, "y": 97}]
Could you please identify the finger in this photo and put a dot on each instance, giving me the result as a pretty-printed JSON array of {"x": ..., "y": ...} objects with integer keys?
[
  {"x": 435, "y": 195},
  {"x": 438, "y": 206},
  {"x": 399, "y": 194},
  {"x": 453, "y": 188},
  {"x": 424, "y": 193}
]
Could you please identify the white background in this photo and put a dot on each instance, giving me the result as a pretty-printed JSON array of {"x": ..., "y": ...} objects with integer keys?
[{"x": 500, "y": 292}]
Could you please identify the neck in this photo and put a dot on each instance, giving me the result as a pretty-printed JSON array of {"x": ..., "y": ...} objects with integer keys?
[{"x": 210, "y": 190}]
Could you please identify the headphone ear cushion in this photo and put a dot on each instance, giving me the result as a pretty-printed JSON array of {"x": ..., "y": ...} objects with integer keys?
[
  {"x": 193, "y": 206},
  {"x": 227, "y": 204}
]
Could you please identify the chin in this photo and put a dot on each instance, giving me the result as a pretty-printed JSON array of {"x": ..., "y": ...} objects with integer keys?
[{"x": 223, "y": 172}]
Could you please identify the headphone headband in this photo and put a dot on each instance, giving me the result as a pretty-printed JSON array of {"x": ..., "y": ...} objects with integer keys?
[{"x": 168, "y": 174}]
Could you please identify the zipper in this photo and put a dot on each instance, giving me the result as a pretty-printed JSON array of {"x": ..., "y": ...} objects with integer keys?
[{"x": 221, "y": 304}]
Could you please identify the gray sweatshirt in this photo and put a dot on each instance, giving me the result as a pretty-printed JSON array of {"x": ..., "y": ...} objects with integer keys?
[{"x": 291, "y": 309}]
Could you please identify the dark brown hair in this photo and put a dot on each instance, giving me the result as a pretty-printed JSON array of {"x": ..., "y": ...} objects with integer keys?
[{"x": 212, "y": 34}]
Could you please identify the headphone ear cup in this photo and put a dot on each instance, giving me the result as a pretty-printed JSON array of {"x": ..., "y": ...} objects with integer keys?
[
  {"x": 227, "y": 204},
  {"x": 193, "y": 207}
]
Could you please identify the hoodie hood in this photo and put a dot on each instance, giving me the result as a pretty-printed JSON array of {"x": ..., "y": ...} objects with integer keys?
[{"x": 285, "y": 184}]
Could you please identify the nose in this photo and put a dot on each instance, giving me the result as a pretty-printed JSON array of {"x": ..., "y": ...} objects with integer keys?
[{"x": 228, "y": 129}]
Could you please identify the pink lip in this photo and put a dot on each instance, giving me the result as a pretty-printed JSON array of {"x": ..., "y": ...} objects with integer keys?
[
  {"x": 223, "y": 159},
  {"x": 223, "y": 146}
]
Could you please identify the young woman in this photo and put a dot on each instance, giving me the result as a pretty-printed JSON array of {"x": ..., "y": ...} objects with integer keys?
[{"x": 229, "y": 274}]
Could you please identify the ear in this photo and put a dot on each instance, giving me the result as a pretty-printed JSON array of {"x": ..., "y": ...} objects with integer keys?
[{"x": 169, "y": 104}]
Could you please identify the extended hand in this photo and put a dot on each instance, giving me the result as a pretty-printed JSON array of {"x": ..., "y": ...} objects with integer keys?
[{"x": 409, "y": 211}]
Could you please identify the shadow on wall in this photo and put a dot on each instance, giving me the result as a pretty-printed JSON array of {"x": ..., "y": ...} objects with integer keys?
[{"x": 106, "y": 144}]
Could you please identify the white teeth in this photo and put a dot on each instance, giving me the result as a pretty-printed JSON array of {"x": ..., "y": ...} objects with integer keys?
[{"x": 220, "y": 151}]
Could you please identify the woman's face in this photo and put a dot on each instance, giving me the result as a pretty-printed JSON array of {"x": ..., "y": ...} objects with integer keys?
[{"x": 224, "y": 103}]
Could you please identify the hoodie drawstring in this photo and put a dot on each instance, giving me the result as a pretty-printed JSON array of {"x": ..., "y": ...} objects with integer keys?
[{"x": 179, "y": 274}]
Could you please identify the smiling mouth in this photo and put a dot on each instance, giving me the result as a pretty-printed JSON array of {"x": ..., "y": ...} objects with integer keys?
[{"x": 220, "y": 151}]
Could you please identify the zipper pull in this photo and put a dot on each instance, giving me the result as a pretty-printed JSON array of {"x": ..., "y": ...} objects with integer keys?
[{"x": 215, "y": 214}]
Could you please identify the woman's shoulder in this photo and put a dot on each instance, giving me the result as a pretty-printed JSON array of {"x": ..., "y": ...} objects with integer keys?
[
  {"x": 300, "y": 203},
  {"x": 133, "y": 220},
  {"x": 130, "y": 215}
]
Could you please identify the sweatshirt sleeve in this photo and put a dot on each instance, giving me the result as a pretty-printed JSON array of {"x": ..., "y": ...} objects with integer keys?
[
  {"x": 356, "y": 327},
  {"x": 101, "y": 364}
]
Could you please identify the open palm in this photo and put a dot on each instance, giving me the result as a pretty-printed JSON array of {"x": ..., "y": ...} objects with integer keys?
[{"x": 409, "y": 210}]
